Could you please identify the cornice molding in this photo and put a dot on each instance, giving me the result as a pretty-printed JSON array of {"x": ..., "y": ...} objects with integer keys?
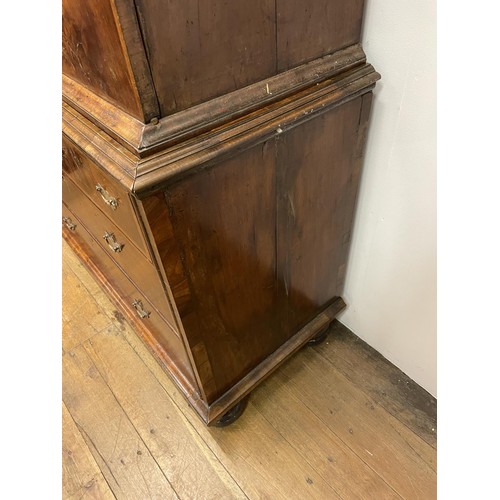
[{"x": 144, "y": 139}]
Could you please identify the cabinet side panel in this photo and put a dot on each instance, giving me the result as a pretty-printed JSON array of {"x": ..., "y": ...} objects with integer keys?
[
  {"x": 222, "y": 265},
  {"x": 310, "y": 29},
  {"x": 318, "y": 178},
  {"x": 201, "y": 50},
  {"x": 93, "y": 54}
]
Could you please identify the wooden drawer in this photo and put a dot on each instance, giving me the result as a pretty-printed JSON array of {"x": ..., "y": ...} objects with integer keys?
[
  {"x": 105, "y": 191},
  {"x": 124, "y": 254},
  {"x": 129, "y": 294}
]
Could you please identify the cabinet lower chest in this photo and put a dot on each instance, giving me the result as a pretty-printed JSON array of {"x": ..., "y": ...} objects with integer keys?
[{"x": 228, "y": 253}]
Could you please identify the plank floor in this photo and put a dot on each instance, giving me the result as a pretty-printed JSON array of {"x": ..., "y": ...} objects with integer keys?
[{"x": 336, "y": 421}]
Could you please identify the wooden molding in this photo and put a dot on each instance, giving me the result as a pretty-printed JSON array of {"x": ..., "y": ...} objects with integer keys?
[
  {"x": 101, "y": 149},
  {"x": 119, "y": 125},
  {"x": 150, "y": 173},
  {"x": 247, "y": 131},
  {"x": 144, "y": 139},
  {"x": 197, "y": 119},
  {"x": 273, "y": 361}
]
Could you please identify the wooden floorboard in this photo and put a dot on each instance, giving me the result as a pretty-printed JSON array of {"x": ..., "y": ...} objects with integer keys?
[
  {"x": 82, "y": 477},
  {"x": 383, "y": 381},
  {"x": 124, "y": 459},
  {"x": 82, "y": 317},
  {"x": 331, "y": 423}
]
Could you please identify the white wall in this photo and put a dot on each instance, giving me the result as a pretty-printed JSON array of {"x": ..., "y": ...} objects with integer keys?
[{"x": 391, "y": 280}]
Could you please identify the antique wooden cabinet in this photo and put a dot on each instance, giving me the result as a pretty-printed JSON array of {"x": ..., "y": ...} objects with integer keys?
[{"x": 211, "y": 158}]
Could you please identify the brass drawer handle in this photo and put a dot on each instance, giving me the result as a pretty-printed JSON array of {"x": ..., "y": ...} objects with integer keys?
[
  {"x": 108, "y": 199},
  {"x": 139, "y": 307},
  {"x": 112, "y": 243},
  {"x": 69, "y": 223}
]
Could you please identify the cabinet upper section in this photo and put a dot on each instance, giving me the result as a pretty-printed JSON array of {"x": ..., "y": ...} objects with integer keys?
[
  {"x": 94, "y": 54},
  {"x": 154, "y": 58}
]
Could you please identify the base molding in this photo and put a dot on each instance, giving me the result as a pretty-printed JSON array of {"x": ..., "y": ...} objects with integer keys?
[{"x": 274, "y": 360}]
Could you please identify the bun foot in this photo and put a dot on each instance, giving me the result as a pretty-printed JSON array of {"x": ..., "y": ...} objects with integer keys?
[
  {"x": 320, "y": 337},
  {"x": 232, "y": 414}
]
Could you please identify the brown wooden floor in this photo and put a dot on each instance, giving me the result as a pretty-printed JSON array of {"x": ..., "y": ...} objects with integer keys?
[{"x": 336, "y": 421}]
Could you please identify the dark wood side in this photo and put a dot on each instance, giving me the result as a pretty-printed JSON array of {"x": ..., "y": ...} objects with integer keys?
[
  {"x": 254, "y": 247},
  {"x": 222, "y": 268},
  {"x": 310, "y": 29},
  {"x": 151, "y": 59},
  {"x": 201, "y": 50},
  {"x": 317, "y": 187},
  {"x": 94, "y": 53}
]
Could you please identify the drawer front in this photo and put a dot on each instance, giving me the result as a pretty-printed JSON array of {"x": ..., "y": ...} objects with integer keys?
[
  {"x": 160, "y": 329},
  {"x": 119, "y": 248},
  {"x": 104, "y": 191}
]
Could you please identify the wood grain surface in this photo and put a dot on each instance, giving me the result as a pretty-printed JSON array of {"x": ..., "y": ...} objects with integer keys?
[
  {"x": 255, "y": 246},
  {"x": 387, "y": 385},
  {"x": 201, "y": 50},
  {"x": 308, "y": 30},
  {"x": 81, "y": 476},
  {"x": 94, "y": 54},
  {"x": 154, "y": 59},
  {"x": 317, "y": 190},
  {"x": 224, "y": 220}
]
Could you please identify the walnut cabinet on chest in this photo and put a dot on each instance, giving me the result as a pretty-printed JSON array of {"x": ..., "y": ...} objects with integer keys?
[{"x": 211, "y": 159}]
